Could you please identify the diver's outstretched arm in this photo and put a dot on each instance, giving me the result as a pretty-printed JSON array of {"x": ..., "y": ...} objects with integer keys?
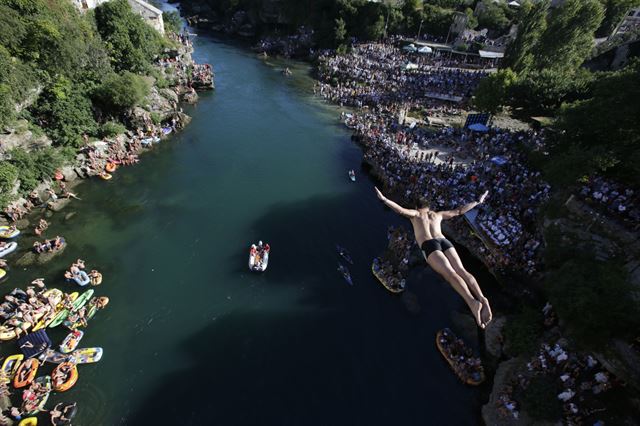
[
  {"x": 448, "y": 214},
  {"x": 396, "y": 207}
]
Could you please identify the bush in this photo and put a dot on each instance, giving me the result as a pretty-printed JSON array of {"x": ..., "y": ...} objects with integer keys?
[
  {"x": 156, "y": 118},
  {"x": 8, "y": 177},
  {"x": 111, "y": 128},
  {"x": 540, "y": 400},
  {"x": 172, "y": 21},
  {"x": 36, "y": 166},
  {"x": 119, "y": 93},
  {"x": 523, "y": 331}
]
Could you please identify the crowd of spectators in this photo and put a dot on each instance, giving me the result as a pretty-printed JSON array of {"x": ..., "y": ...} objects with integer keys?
[{"x": 618, "y": 201}]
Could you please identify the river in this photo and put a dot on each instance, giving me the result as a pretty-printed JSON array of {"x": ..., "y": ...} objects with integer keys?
[{"x": 190, "y": 336}]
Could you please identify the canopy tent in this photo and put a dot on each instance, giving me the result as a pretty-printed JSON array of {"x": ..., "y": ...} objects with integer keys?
[
  {"x": 499, "y": 160},
  {"x": 487, "y": 54},
  {"x": 479, "y": 127},
  {"x": 425, "y": 49},
  {"x": 33, "y": 344}
]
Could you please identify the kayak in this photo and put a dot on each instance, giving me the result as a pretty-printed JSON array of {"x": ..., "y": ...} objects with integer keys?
[
  {"x": 53, "y": 357},
  {"x": 344, "y": 254},
  {"x": 27, "y": 371},
  {"x": 9, "y": 248},
  {"x": 97, "y": 280},
  {"x": 63, "y": 313},
  {"x": 87, "y": 355},
  {"x": 29, "y": 421},
  {"x": 345, "y": 273},
  {"x": 473, "y": 380},
  {"x": 10, "y": 367},
  {"x": 383, "y": 281},
  {"x": 34, "y": 407},
  {"x": 62, "y": 385},
  {"x": 7, "y": 233},
  {"x": 68, "y": 411},
  {"x": 70, "y": 343}
]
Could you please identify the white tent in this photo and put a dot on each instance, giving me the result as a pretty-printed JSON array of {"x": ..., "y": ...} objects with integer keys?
[{"x": 514, "y": 4}]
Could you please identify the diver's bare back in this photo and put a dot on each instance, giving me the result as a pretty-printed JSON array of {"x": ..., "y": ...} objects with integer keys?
[{"x": 426, "y": 225}]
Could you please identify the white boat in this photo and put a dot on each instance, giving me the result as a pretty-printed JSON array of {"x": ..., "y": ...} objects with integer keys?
[
  {"x": 352, "y": 175},
  {"x": 259, "y": 257},
  {"x": 8, "y": 248}
]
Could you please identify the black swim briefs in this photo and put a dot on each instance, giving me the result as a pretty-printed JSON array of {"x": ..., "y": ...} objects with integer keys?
[{"x": 435, "y": 244}]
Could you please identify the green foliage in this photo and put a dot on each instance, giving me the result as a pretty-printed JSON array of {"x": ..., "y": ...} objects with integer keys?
[
  {"x": 33, "y": 167},
  {"x": 8, "y": 177},
  {"x": 493, "y": 17},
  {"x": 520, "y": 53},
  {"x": 437, "y": 20},
  {"x": 119, "y": 93},
  {"x": 523, "y": 331},
  {"x": 172, "y": 21},
  {"x": 568, "y": 38},
  {"x": 7, "y": 109},
  {"x": 156, "y": 118},
  {"x": 492, "y": 92},
  {"x": 591, "y": 297},
  {"x": 131, "y": 43},
  {"x": 339, "y": 31},
  {"x": 66, "y": 112},
  {"x": 111, "y": 129},
  {"x": 603, "y": 128},
  {"x": 539, "y": 399}
]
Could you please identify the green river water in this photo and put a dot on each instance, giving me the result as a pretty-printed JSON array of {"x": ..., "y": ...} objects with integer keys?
[{"x": 190, "y": 336}]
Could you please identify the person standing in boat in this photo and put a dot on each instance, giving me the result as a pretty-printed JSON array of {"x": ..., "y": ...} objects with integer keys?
[{"x": 442, "y": 256}]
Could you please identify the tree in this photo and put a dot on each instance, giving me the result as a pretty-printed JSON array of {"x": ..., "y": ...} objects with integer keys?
[
  {"x": 339, "y": 32},
  {"x": 172, "y": 21},
  {"x": 493, "y": 17},
  {"x": 132, "y": 44},
  {"x": 8, "y": 177},
  {"x": 119, "y": 93},
  {"x": 605, "y": 125},
  {"x": 493, "y": 91},
  {"x": 520, "y": 53},
  {"x": 569, "y": 36}
]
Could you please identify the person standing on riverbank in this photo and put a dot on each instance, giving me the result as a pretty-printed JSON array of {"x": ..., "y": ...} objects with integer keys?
[{"x": 442, "y": 256}]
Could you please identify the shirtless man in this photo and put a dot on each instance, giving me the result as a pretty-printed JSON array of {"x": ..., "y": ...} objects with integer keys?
[{"x": 442, "y": 256}]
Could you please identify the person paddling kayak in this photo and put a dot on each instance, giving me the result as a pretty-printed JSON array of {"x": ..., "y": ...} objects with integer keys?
[{"x": 442, "y": 256}]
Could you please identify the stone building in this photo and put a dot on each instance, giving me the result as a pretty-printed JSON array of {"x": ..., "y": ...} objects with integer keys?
[{"x": 151, "y": 14}]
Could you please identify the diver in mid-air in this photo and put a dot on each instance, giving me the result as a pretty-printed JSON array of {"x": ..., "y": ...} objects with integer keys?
[{"x": 441, "y": 255}]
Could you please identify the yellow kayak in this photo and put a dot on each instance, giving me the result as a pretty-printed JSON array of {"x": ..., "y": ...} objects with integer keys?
[
  {"x": 29, "y": 421},
  {"x": 10, "y": 366}
]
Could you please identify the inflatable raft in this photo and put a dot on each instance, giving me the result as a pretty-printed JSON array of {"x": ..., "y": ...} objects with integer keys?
[
  {"x": 9, "y": 248},
  {"x": 32, "y": 408},
  {"x": 6, "y": 232},
  {"x": 70, "y": 343},
  {"x": 81, "y": 278},
  {"x": 68, "y": 411},
  {"x": 70, "y": 379},
  {"x": 472, "y": 379},
  {"x": 63, "y": 313},
  {"x": 10, "y": 367},
  {"x": 259, "y": 258},
  {"x": 26, "y": 373},
  {"x": 87, "y": 355}
]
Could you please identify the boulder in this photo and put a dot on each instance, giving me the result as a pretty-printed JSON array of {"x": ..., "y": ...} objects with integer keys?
[
  {"x": 32, "y": 258},
  {"x": 59, "y": 205},
  {"x": 490, "y": 414},
  {"x": 69, "y": 173},
  {"x": 493, "y": 336},
  {"x": 169, "y": 94}
]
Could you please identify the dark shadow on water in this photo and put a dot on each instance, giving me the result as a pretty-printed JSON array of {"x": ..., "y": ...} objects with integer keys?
[{"x": 300, "y": 368}]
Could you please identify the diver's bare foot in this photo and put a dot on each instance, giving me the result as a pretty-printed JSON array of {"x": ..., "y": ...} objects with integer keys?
[
  {"x": 476, "y": 310},
  {"x": 487, "y": 315}
]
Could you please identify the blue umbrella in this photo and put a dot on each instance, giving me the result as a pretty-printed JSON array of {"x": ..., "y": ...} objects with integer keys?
[{"x": 479, "y": 127}]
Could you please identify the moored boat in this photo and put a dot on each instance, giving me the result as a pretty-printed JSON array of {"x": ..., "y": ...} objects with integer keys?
[
  {"x": 377, "y": 272},
  {"x": 345, "y": 273},
  {"x": 460, "y": 358},
  {"x": 352, "y": 175},
  {"x": 344, "y": 254}
]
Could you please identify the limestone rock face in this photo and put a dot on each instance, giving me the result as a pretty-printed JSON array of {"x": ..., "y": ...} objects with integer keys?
[
  {"x": 18, "y": 135},
  {"x": 493, "y": 336}
]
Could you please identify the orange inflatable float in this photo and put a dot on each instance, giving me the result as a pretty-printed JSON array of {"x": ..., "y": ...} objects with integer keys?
[
  {"x": 64, "y": 376},
  {"x": 110, "y": 167},
  {"x": 26, "y": 373}
]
